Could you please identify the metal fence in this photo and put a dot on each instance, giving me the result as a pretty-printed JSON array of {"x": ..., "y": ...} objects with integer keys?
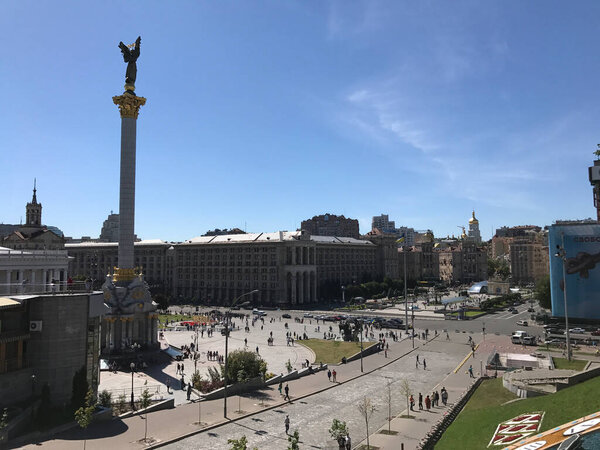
[{"x": 155, "y": 389}]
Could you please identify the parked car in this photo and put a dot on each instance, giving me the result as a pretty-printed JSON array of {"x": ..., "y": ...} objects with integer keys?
[
  {"x": 596, "y": 332},
  {"x": 308, "y": 315},
  {"x": 286, "y": 316},
  {"x": 530, "y": 310},
  {"x": 514, "y": 311},
  {"x": 576, "y": 330},
  {"x": 522, "y": 322}
]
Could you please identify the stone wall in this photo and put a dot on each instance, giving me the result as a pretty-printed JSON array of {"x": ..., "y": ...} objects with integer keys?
[{"x": 59, "y": 350}]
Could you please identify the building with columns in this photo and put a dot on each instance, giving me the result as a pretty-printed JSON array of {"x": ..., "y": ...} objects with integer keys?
[{"x": 33, "y": 271}]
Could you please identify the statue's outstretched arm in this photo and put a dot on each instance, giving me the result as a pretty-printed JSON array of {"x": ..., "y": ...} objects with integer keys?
[
  {"x": 125, "y": 51},
  {"x": 136, "y": 52}
]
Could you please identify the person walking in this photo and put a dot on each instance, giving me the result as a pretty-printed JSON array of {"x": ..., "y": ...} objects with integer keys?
[
  {"x": 427, "y": 402},
  {"x": 471, "y": 372},
  {"x": 280, "y": 388},
  {"x": 420, "y": 401},
  {"x": 287, "y": 424},
  {"x": 412, "y": 403},
  {"x": 189, "y": 391},
  {"x": 424, "y": 364},
  {"x": 329, "y": 375},
  {"x": 287, "y": 393},
  {"x": 348, "y": 442},
  {"x": 444, "y": 396},
  {"x": 334, "y": 375}
]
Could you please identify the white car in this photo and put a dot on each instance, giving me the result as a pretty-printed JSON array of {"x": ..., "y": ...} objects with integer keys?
[
  {"x": 522, "y": 322},
  {"x": 309, "y": 315},
  {"x": 576, "y": 330}
]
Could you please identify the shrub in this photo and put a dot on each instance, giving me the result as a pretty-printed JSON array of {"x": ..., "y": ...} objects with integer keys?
[
  {"x": 246, "y": 364},
  {"x": 105, "y": 399}
]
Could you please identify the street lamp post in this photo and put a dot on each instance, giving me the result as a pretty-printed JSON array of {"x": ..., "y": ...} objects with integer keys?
[
  {"x": 405, "y": 297},
  {"x": 132, "y": 367},
  {"x": 226, "y": 343},
  {"x": 562, "y": 254},
  {"x": 343, "y": 294}
]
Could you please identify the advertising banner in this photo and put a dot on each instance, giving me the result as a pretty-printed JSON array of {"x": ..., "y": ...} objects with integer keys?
[{"x": 581, "y": 277}]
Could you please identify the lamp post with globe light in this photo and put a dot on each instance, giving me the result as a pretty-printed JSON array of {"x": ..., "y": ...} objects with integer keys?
[{"x": 226, "y": 342}]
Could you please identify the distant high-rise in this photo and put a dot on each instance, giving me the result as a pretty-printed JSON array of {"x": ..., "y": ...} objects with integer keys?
[
  {"x": 110, "y": 228},
  {"x": 331, "y": 225},
  {"x": 383, "y": 223}
]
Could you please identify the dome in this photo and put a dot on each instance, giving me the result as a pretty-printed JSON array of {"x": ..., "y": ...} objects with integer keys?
[{"x": 473, "y": 219}]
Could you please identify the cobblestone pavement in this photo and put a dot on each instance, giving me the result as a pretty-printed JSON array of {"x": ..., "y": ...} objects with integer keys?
[{"x": 313, "y": 415}]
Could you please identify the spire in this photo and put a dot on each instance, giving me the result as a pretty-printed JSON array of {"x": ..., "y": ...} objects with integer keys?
[{"x": 34, "y": 199}]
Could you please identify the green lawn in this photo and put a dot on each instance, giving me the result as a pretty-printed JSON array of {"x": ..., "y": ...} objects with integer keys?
[
  {"x": 477, "y": 422},
  {"x": 162, "y": 318},
  {"x": 332, "y": 352},
  {"x": 574, "y": 364}
]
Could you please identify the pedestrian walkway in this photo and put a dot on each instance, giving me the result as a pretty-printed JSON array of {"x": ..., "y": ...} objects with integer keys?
[
  {"x": 410, "y": 431},
  {"x": 189, "y": 419}
]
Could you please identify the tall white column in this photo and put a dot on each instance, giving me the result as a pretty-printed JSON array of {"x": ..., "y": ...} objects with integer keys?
[
  {"x": 129, "y": 105},
  {"x": 44, "y": 280},
  {"x": 34, "y": 288},
  {"x": 8, "y": 280},
  {"x": 301, "y": 285},
  {"x": 21, "y": 279}
]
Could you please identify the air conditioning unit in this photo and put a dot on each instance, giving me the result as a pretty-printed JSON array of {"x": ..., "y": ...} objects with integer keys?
[{"x": 35, "y": 325}]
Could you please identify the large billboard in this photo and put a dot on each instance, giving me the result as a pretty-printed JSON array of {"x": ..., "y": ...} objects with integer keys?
[{"x": 581, "y": 277}]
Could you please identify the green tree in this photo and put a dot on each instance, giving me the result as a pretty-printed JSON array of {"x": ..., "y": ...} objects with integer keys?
[
  {"x": 80, "y": 388},
  {"x": 105, "y": 399},
  {"x": 339, "y": 431},
  {"x": 121, "y": 403},
  {"x": 597, "y": 152},
  {"x": 246, "y": 362},
  {"x": 163, "y": 300},
  {"x": 239, "y": 444},
  {"x": 83, "y": 415},
  {"x": 293, "y": 439},
  {"x": 145, "y": 400},
  {"x": 542, "y": 292}
]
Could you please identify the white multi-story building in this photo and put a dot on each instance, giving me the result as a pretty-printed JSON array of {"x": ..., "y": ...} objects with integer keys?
[{"x": 32, "y": 271}]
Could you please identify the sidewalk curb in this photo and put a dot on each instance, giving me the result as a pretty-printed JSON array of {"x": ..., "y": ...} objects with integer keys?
[
  {"x": 462, "y": 363},
  {"x": 268, "y": 408}
]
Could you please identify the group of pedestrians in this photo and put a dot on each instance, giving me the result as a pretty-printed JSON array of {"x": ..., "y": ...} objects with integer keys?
[
  {"x": 285, "y": 389},
  {"x": 332, "y": 374},
  {"x": 214, "y": 356},
  {"x": 424, "y": 363},
  {"x": 430, "y": 401}
]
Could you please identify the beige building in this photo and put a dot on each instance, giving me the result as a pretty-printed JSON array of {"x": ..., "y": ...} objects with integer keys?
[
  {"x": 97, "y": 259},
  {"x": 464, "y": 263},
  {"x": 526, "y": 250},
  {"x": 286, "y": 267}
]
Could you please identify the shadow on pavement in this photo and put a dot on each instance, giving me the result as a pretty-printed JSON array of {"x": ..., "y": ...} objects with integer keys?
[{"x": 95, "y": 431}]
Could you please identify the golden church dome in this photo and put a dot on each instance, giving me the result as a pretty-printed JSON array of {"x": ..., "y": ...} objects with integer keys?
[{"x": 473, "y": 219}]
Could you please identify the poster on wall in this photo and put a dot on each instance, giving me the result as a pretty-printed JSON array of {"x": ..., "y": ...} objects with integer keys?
[{"x": 581, "y": 274}]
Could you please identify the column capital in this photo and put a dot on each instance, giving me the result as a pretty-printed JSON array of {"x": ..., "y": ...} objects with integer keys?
[{"x": 129, "y": 105}]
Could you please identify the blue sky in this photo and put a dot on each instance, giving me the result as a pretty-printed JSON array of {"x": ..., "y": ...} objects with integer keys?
[{"x": 262, "y": 114}]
